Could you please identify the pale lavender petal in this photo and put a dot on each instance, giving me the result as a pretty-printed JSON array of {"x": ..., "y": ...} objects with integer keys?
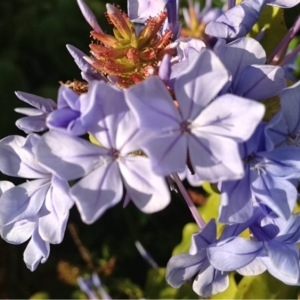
[
  {"x": 66, "y": 120},
  {"x": 89, "y": 15},
  {"x": 68, "y": 157},
  {"x": 37, "y": 251},
  {"x": 203, "y": 238},
  {"x": 18, "y": 232},
  {"x": 33, "y": 123},
  {"x": 290, "y": 103},
  {"x": 239, "y": 54},
  {"x": 164, "y": 71},
  {"x": 260, "y": 82},
  {"x": 148, "y": 191},
  {"x": 5, "y": 185},
  {"x": 212, "y": 160},
  {"x": 200, "y": 83},
  {"x": 289, "y": 229},
  {"x": 151, "y": 101},
  {"x": 210, "y": 282},
  {"x": 237, "y": 21},
  {"x": 229, "y": 116},
  {"x": 236, "y": 200},
  {"x": 58, "y": 202},
  {"x": 23, "y": 201},
  {"x": 17, "y": 159},
  {"x": 67, "y": 98},
  {"x": 277, "y": 193},
  {"x": 183, "y": 267},
  {"x": 276, "y": 131},
  {"x": 141, "y": 10},
  {"x": 43, "y": 104},
  {"x": 233, "y": 254},
  {"x": 283, "y": 262},
  {"x": 283, "y": 162},
  {"x": 98, "y": 191},
  {"x": 102, "y": 108},
  {"x": 128, "y": 134},
  {"x": 184, "y": 47},
  {"x": 88, "y": 73},
  {"x": 167, "y": 151},
  {"x": 255, "y": 267},
  {"x": 28, "y": 111}
]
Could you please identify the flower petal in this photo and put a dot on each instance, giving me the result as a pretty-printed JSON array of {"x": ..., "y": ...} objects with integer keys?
[
  {"x": 68, "y": 157},
  {"x": 239, "y": 54},
  {"x": 260, "y": 82},
  {"x": 23, "y": 201},
  {"x": 277, "y": 193},
  {"x": 210, "y": 282},
  {"x": 233, "y": 253},
  {"x": 52, "y": 223},
  {"x": 17, "y": 157},
  {"x": 183, "y": 267},
  {"x": 148, "y": 191},
  {"x": 18, "y": 232},
  {"x": 236, "y": 200},
  {"x": 230, "y": 116},
  {"x": 283, "y": 262},
  {"x": 36, "y": 251},
  {"x": 200, "y": 83},
  {"x": 98, "y": 191},
  {"x": 214, "y": 158}
]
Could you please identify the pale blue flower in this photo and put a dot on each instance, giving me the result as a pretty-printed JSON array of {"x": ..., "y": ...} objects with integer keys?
[
  {"x": 105, "y": 169},
  {"x": 37, "y": 209},
  {"x": 204, "y": 128}
]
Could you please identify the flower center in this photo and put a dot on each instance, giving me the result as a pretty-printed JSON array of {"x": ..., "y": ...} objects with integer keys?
[
  {"x": 294, "y": 139},
  {"x": 185, "y": 127},
  {"x": 114, "y": 153}
]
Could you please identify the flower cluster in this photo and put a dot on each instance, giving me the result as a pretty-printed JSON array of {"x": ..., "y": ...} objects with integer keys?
[{"x": 159, "y": 102}]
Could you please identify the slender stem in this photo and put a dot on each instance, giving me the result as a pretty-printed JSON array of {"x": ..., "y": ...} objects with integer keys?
[
  {"x": 200, "y": 222},
  {"x": 231, "y": 4},
  {"x": 280, "y": 49}
]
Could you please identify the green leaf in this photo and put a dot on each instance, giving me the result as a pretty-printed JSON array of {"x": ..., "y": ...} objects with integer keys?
[
  {"x": 156, "y": 282},
  {"x": 40, "y": 295},
  {"x": 125, "y": 288},
  {"x": 211, "y": 208},
  {"x": 272, "y": 19},
  {"x": 264, "y": 286}
]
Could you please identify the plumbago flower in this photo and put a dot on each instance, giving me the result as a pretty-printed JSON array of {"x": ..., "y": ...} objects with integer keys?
[
  {"x": 284, "y": 128},
  {"x": 250, "y": 77},
  {"x": 37, "y": 209},
  {"x": 105, "y": 168},
  {"x": 239, "y": 19},
  {"x": 198, "y": 263},
  {"x": 36, "y": 117},
  {"x": 272, "y": 247},
  {"x": 275, "y": 243},
  {"x": 200, "y": 127},
  {"x": 270, "y": 179}
]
